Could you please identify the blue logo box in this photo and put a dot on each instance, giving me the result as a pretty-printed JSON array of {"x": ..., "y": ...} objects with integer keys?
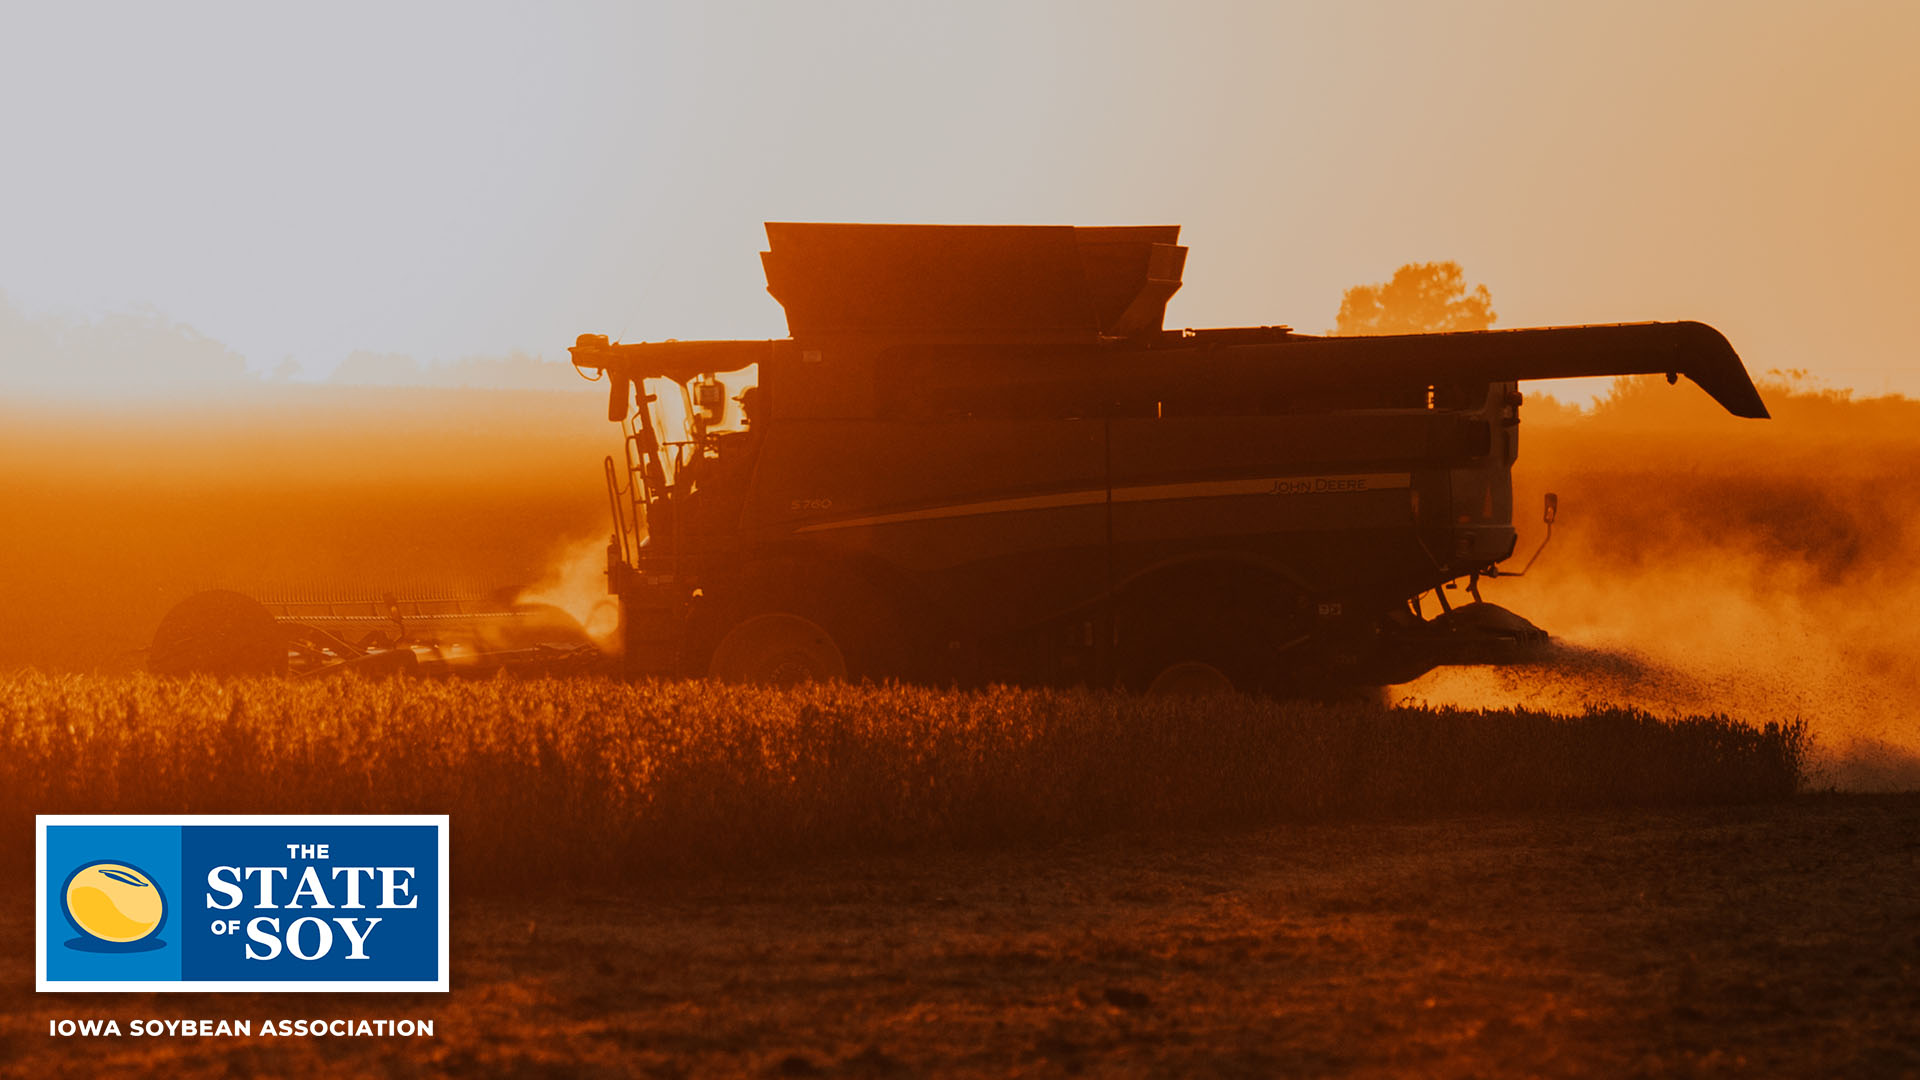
[{"x": 241, "y": 903}]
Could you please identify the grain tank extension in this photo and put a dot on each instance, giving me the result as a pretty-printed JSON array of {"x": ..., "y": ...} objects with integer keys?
[{"x": 979, "y": 457}]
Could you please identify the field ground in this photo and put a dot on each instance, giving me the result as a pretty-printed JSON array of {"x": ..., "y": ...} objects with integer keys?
[{"x": 1768, "y": 940}]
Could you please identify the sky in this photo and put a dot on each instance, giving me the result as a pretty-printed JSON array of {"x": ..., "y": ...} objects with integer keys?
[{"x": 282, "y": 186}]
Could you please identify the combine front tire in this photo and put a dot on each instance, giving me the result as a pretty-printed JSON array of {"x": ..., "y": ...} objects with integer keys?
[
  {"x": 777, "y": 649},
  {"x": 218, "y": 632}
]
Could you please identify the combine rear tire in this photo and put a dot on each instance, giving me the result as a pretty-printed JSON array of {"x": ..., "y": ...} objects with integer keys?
[
  {"x": 777, "y": 649},
  {"x": 1189, "y": 678},
  {"x": 1206, "y": 629},
  {"x": 218, "y": 632}
]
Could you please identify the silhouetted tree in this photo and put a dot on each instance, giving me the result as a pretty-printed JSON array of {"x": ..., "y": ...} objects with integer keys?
[{"x": 1422, "y": 298}]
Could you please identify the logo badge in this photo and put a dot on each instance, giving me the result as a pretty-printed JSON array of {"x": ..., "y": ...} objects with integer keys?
[{"x": 156, "y": 902}]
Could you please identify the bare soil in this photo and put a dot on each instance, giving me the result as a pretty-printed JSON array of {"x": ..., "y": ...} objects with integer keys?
[{"x": 1773, "y": 940}]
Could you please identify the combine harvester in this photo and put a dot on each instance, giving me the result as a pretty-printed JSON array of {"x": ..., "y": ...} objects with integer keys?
[{"x": 980, "y": 457}]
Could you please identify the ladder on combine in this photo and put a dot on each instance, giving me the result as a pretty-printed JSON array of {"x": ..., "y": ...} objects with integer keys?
[{"x": 640, "y": 498}]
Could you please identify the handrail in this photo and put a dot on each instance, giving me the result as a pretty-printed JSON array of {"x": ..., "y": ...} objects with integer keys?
[{"x": 614, "y": 491}]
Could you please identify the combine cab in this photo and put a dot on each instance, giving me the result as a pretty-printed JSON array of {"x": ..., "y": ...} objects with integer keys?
[{"x": 980, "y": 458}]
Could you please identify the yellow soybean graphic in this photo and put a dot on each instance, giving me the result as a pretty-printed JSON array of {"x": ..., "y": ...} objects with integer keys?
[{"x": 114, "y": 902}]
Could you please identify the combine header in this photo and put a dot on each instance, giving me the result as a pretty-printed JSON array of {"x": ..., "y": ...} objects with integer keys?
[
  {"x": 224, "y": 632},
  {"x": 980, "y": 457}
]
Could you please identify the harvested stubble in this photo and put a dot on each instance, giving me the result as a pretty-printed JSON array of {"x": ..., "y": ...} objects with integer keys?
[{"x": 585, "y": 780}]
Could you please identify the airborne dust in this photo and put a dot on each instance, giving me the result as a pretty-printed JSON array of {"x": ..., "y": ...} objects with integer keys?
[{"x": 1769, "y": 570}]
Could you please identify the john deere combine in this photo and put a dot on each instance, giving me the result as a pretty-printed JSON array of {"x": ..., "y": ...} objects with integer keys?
[{"x": 979, "y": 456}]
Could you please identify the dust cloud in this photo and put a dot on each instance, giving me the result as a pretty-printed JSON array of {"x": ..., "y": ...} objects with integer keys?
[
  {"x": 576, "y": 583},
  {"x": 1766, "y": 570}
]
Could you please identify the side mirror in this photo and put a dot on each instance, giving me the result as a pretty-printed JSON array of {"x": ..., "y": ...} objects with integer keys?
[
  {"x": 1552, "y": 508},
  {"x": 619, "y": 396}
]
